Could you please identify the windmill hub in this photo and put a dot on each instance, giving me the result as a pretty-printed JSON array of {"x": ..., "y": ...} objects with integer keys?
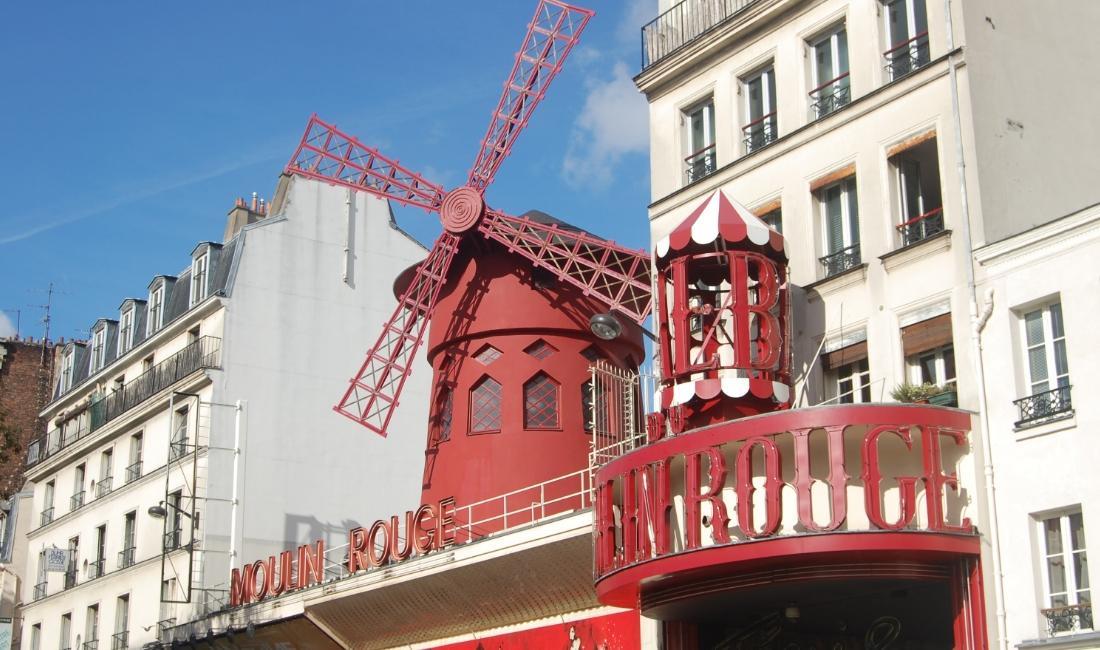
[{"x": 462, "y": 209}]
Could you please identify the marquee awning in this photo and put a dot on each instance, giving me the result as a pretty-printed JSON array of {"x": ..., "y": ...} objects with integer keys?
[{"x": 720, "y": 218}]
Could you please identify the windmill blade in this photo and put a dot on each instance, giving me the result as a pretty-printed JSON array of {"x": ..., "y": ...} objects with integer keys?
[
  {"x": 374, "y": 391},
  {"x": 617, "y": 275},
  {"x": 327, "y": 154},
  {"x": 552, "y": 33}
]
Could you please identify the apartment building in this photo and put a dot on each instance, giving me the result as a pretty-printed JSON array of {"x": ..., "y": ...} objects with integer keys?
[
  {"x": 194, "y": 427},
  {"x": 889, "y": 141}
]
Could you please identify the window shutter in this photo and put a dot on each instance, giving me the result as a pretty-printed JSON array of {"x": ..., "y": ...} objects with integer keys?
[{"x": 926, "y": 335}]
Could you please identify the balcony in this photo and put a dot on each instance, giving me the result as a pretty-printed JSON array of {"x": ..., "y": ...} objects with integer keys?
[
  {"x": 133, "y": 472},
  {"x": 90, "y": 645},
  {"x": 1071, "y": 618},
  {"x": 76, "y": 501},
  {"x": 907, "y": 56},
  {"x": 1040, "y": 407},
  {"x": 921, "y": 227},
  {"x": 173, "y": 540},
  {"x": 39, "y": 591},
  {"x": 701, "y": 163},
  {"x": 120, "y": 641},
  {"x": 47, "y": 516},
  {"x": 126, "y": 556},
  {"x": 830, "y": 96},
  {"x": 760, "y": 132},
  {"x": 203, "y": 353},
  {"x": 683, "y": 24},
  {"x": 97, "y": 568},
  {"x": 70, "y": 577},
  {"x": 840, "y": 261},
  {"x": 103, "y": 488}
]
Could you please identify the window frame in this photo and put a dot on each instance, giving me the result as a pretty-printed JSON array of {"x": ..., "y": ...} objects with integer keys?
[
  {"x": 1049, "y": 344},
  {"x": 484, "y": 379},
  {"x": 696, "y": 153},
  {"x": 155, "y": 311},
  {"x": 914, "y": 362},
  {"x": 200, "y": 271},
  {"x": 769, "y": 107},
  {"x": 98, "y": 357},
  {"x": 860, "y": 394},
  {"x": 125, "y": 330},
  {"x": 841, "y": 81},
  {"x": 68, "y": 359},
  {"x": 556, "y": 405},
  {"x": 1066, "y": 555}
]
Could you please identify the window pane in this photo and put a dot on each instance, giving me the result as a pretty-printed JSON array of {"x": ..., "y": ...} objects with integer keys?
[
  {"x": 844, "y": 387},
  {"x": 920, "y": 17},
  {"x": 1056, "y": 320},
  {"x": 949, "y": 364},
  {"x": 823, "y": 55},
  {"x": 756, "y": 99},
  {"x": 1077, "y": 532},
  {"x": 928, "y": 369},
  {"x": 1037, "y": 365},
  {"x": 834, "y": 219},
  {"x": 485, "y": 401},
  {"x": 853, "y": 210},
  {"x": 1081, "y": 570},
  {"x": 1061, "y": 363},
  {"x": 842, "y": 51},
  {"x": 1053, "y": 534},
  {"x": 1057, "y": 570},
  {"x": 1033, "y": 326},
  {"x": 898, "y": 20}
]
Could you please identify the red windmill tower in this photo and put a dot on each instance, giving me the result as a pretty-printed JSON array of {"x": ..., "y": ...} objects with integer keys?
[{"x": 510, "y": 298}]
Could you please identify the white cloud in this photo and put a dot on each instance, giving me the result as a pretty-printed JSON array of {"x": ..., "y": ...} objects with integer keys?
[
  {"x": 636, "y": 14},
  {"x": 614, "y": 123},
  {"x": 6, "y": 327}
]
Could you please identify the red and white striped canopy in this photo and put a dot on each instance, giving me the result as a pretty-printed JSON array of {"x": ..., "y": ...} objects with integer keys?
[{"x": 721, "y": 217}]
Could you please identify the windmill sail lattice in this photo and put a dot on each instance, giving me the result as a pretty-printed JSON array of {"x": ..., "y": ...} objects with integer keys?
[{"x": 618, "y": 276}]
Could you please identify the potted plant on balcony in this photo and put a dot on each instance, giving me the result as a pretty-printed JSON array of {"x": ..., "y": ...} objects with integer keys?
[{"x": 915, "y": 393}]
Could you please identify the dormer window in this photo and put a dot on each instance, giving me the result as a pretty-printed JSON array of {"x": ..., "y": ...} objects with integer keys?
[
  {"x": 66, "y": 381},
  {"x": 156, "y": 308},
  {"x": 126, "y": 330},
  {"x": 198, "y": 278},
  {"x": 99, "y": 349}
]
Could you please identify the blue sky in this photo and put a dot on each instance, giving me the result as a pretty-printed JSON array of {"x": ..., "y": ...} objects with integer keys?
[{"x": 129, "y": 128}]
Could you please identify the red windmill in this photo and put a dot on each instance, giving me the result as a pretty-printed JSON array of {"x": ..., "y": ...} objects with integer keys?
[{"x": 479, "y": 246}]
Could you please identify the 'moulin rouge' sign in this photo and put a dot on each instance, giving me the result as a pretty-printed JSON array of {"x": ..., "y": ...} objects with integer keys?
[
  {"x": 429, "y": 528},
  {"x": 808, "y": 471}
]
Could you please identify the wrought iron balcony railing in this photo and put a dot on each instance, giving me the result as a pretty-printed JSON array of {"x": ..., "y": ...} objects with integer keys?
[
  {"x": 1044, "y": 406},
  {"x": 841, "y": 260},
  {"x": 684, "y": 23},
  {"x": 40, "y": 591},
  {"x": 47, "y": 516},
  {"x": 120, "y": 641},
  {"x": 103, "y": 488},
  {"x": 76, "y": 501},
  {"x": 203, "y": 353},
  {"x": 173, "y": 540},
  {"x": 92, "y": 644},
  {"x": 126, "y": 556},
  {"x": 907, "y": 56},
  {"x": 178, "y": 449},
  {"x": 760, "y": 132},
  {"x": 701, "y": 163},
  {"x": 921, "y": 227},
  {"x": 1071, "y": 618},
  {"x": 133, "y": 472},
  {"x": 830, "y": 96},
  {"x": 97, "y": 568},
  {"x": 70, "y": 577}
]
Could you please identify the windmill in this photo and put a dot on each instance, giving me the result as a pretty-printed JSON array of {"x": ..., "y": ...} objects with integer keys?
[{"x": 618, "y": 277}]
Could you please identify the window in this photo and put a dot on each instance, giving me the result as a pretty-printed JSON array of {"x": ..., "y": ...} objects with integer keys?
[
  {"x": 91, "y": 627},
  {"x": 120, "y": 640},
  {"x": 66, "y": 631},
  {"x": 832, "y": 86},
  {"x": 99, "y": 349},
  {"x": 198, "y": 278},
  {"x": 193, "y": 335},
  {"x": 540, "y": 403},
  {"x": 919, "y": 204},
  {"x": 762, "y": 128},
  {"x": 906, "y": 37},
  {"x": 125, "y": 331},
  {"x": 133, "y": 469},
  {"x": 129, "y": 530},
  {"x": 172, "y": 539},
  {"x": 66, "y": 380},
  {"x": 540, "y": 349},
  {"x": 106, "y": 460},
  {"x": 70, "y": 570},
  {"x": 485, "y": 399},
  {"x": 99, "y": 566},
  {"x": 178, "y": 447},
  {"x": 155, "y": 314},
  {"x": 700, "y": 159},
  {"x": 147, "y": 364},
  {"x": 36, "y": 636},
  {"x": 47, "y": 503},
  {"x": 935, "y": 367},
  {"x": 487, "y": 355},
  {"x": 840, "y": 226},
  {"x": 853, "y": 383},
  {"x": 774, "y": 220},
  {"x": 77, "y": 499},
  {"x": 446, "y": 412},
  {"x": 1047, "y": 365},
  {"x": 1065, "y": 573}
]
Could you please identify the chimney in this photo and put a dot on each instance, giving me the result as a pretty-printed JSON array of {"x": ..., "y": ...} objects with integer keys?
[{"x": 243, "y": 214}]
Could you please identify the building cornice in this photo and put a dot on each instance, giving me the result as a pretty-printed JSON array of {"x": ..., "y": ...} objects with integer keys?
[{"x": 1040, "y": 242}]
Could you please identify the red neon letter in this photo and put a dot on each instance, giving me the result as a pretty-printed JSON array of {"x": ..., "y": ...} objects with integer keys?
[
  {"x": 694, "y": 496},
  {"x": 803, "y": 479},
  {"x": 357, "y": 549},
  {"x": 605, "y": 528},
  {"x": 935, "y": 479},
  {"x": 773, "y": 484},
  {"x": 445, "y": 530},
  {"x": 399, "y": 551},
  {"x": 276, "y": 586},
  {"x": 424, "y": 538},
  {"x": 376, "y": 556},
  {"x": 240, "y": 590},
  {"x": 311, "y": 565},
  {"x": 260, "y": 567},
  {"x": 872, "y": 477}
]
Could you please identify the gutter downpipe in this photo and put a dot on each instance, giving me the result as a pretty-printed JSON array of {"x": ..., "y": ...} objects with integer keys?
[
  {"x": 235, "y": 501},
  {"x": 978, "y": 321}
]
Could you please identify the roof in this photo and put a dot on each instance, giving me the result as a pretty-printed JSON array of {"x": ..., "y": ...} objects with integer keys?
[{"x": 720, "y": 219}]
